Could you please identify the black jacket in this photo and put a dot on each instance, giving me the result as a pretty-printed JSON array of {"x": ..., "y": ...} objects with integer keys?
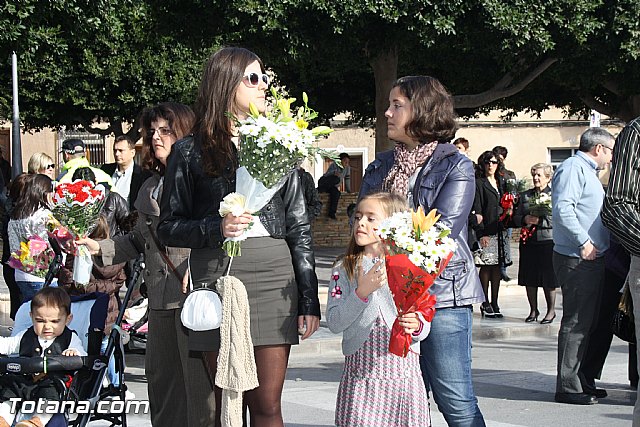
[
  {"x": 314, "y": 205},
  {"x": 189, "y": 215},
  {"x": 137, "y": 178},
  {"x": 116, "y": 212},
  {"x": 487, "y": 204}
]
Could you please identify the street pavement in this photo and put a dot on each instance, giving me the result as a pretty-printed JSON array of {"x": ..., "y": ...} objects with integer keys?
[{"x": 514, "y": 369}]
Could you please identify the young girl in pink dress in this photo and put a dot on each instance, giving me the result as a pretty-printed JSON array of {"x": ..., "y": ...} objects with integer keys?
[{"x": 377, "y": 388}]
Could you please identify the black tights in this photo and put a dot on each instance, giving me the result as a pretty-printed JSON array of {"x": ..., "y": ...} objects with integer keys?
[
  {"x": 263, "y": 402},
  {"x": 490, "y": 274}
]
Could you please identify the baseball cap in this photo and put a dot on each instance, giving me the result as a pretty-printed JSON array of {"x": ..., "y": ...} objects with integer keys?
[{"x": 72, "y": 146}]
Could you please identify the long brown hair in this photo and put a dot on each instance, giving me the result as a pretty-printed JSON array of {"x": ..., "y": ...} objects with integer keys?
[
  {"x": 33, "y": 196},
  {"x": 216, "y": 98},
  {"x": 181, "y": 120},
  {"x": 434, "y": 118},
  {"x": 391, "y": 203}
]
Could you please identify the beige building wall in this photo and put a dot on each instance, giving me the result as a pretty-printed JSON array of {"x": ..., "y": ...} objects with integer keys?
[
  {"x": 528, "y": 140},
  {"x": 47, "y": 141}
]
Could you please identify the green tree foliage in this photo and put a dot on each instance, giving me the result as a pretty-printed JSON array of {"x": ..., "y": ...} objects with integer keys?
[{"x": 91, "y": 63}]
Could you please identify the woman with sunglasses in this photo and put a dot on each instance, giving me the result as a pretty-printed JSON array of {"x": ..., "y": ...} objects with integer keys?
[
  {"x": 277, "y": 264},
  {"x": 430, "y": 171},
  {"x": 42, "y": 163},
  {"x": 490, "y": 186}
]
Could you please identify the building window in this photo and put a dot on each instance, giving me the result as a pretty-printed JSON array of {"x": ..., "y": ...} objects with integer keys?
[{"x": 559, "y": 155}]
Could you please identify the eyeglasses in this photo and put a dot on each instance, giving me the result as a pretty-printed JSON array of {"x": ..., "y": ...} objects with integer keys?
[
  {"x": 606, "y": 146},
  {"x": 491, "y": 162},
  {"x": 163, "y": 131},
  {"x": 51, "y": 166},
  {"x": 254, "y": 79}
]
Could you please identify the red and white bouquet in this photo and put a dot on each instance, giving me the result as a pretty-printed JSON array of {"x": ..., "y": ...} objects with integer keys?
[
  {"x": 77, "y": 205},
  {"x": 539, "y": 206},
  {"x": 33, "y": 257},
  {"x": 418, "y": 249},
  {"x": 509, "y": 199}
]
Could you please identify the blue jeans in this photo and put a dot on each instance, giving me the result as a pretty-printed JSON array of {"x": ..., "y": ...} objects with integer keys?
[
  {"x": 112, "y": 375},
  {"x": 446, "y": 367},
  {"x": 29, "y": 289}
]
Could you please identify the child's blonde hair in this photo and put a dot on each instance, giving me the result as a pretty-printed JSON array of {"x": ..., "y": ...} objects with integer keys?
[{"x": 391, "y": 203}]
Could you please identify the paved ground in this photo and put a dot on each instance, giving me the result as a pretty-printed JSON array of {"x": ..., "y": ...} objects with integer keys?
[{"x": 513, "y": 370}]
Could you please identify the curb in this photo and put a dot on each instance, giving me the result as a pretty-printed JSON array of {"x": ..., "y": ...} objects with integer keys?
[{"x": 330, "y": 344}]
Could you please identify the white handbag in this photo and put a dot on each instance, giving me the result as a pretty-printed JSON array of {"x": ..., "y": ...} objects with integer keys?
[{"x": 202, "y": 309}]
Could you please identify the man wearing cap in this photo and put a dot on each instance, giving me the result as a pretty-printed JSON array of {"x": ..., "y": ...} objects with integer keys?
[{"x": 73, "y": 151}]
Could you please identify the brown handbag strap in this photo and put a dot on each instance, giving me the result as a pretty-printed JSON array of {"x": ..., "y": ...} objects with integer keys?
[{"x": 163, "y": 254}]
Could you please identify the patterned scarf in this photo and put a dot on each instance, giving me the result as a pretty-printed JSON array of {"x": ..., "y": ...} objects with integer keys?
[{"x": 404, "y": 166}]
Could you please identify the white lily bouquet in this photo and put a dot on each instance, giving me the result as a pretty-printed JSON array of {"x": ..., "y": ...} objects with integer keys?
[{"x": 271, "y": 147}]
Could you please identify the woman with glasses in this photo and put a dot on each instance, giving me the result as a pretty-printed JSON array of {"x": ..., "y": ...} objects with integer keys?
[
  {"x": 277, "y": 262},
  {"x": 430, "y": 171},
  {"x": 42, "y": 163},
  {"x": 490, "y": 186},
  {"x": 179, "y": 389}
]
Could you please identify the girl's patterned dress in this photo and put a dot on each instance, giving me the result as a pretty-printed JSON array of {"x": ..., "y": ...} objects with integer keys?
[{"x": 381, "y": 389}]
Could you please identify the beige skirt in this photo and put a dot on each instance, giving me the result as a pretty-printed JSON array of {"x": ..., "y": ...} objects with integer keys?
[{"x": 266, "y": 270}]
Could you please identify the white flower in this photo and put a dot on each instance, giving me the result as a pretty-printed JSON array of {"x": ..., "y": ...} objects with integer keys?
[
  {"x": 416, "y": 258},
  {"x": 233, "y": 203}
]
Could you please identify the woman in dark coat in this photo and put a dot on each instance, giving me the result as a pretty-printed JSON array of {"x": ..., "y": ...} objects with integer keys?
[
  {"x": 536, "y": 243},
  {"x": 490, "y": 186}
]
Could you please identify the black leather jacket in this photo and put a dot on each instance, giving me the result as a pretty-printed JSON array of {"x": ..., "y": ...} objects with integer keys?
[{"x": 189, "y": 215}]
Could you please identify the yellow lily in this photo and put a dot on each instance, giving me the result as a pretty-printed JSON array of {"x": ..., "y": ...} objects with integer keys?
[
  {"x": 253, "y": 110},
  {"x": 422, "y": 222},
  {"x": 24, "y": 251},
  {"x": 284, "y": 105},
  {"x": 302, "y": 124}
]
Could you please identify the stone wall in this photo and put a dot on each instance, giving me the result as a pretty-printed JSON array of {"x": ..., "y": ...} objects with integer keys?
[{"x": 329, "y": 232}]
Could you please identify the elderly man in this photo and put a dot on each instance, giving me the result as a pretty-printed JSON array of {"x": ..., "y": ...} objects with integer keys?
[
  {"x": 580, "y": 241},
  {"x": 621, "y": 212}
]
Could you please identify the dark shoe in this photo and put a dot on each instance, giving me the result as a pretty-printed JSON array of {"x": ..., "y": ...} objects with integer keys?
[
  {"x": 532, "y": 317},
  {"x": 505, "y": 277},
  {"x": 486, "y": 310},
  {"x": 598, "y": 393},
  {"x": 332, "y": 216},
  {"x": 496, "y": 311},
  {"x": 590, "y": 388},
  {"x": 576, "y": 398},
  {"x": 547, "y": 321}
]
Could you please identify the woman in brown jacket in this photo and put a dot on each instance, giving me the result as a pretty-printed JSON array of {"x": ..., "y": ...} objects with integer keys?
[{"x": 175, "y": 375}]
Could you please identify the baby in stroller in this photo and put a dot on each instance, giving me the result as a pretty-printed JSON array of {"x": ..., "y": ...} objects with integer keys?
[{"x": 49, "y": 335}]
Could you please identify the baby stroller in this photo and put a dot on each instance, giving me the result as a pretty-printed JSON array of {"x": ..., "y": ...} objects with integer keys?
[{"x": 83, "y": 389}]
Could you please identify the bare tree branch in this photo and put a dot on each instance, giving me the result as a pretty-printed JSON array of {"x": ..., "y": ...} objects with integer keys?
[
  {"x": 595, "y": 104},
  {"x": 612, "y": 87},
  {"x": 503, "y": 88}
]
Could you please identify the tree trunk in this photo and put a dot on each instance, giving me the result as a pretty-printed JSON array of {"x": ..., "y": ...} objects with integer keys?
[{"x": 385, "y": 72}]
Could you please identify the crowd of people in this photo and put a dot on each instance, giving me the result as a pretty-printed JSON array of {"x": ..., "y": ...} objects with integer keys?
[{"x": 189, "y": 162}]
